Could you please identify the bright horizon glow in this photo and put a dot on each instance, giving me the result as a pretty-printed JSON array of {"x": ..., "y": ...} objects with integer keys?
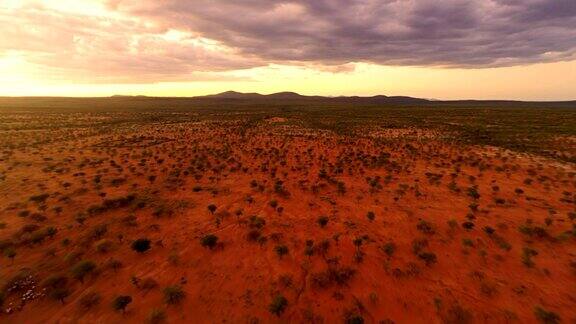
[
  {"x": 98, "y": 48},
  {"x": 538, "y": 82}
]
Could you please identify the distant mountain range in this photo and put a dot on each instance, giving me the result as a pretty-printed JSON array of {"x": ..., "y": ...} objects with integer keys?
[
  {"x": 295, "y": 96},
  {"x": 233, "y": 98}
]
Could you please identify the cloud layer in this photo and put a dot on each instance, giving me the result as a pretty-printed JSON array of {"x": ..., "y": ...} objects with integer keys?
[
  {"x": 177, "y": 39},
  {"x": 463, "y": 33}
]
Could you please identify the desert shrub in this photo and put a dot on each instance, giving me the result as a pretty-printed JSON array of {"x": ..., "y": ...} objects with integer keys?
[
  {"x": 209, "y": 241},
  {"x": 148, "y": 284},
  {"x": 141, "y": 245},
  {"x": 354, "y": 319},
  {"x": 286, "y": 280},
  {"x": 24, "y": 213},
  {"x": 80, "y": 219},
  {"x": 114, "y": 264},
  {"x": 156, "y": 316},
  {"x": 212, "y": 208},
  {"x": 338, "y": 275},
  {"x": 473, "y": 193},
  {"x": 389, "y": 248},
  {"x": 130, "y": 220},
  {"x": 98, "y": 231},
  {"x": 36, "y": 237},
  {"x": 39, "y": 199},
  {"x": 59, "y": 294},
  {"x": 323, "y": 247},
  {"x": 55, "y": 281},
  {"x": 489, "y": 230},
  {"x": 468, "y": 225},
  {"x": 10, "y": 253},
  {"x": 82, "y": 269},
  {"x": 458, "y": 314},
  {"x": 276, "y": 237},
  {"x": 254, "y": 235},
  {"x": 323, "y": 221},
  {"x": 73, "y": 256},
  {"x": 103, "y": 245},
  {"x": 533, "y": 231},
  {"x": 428, "y": 257},
  {"x": 89, "y": 300},
  {"x": 278, "y": 305},
  {"x": 358, "y": 242},
  {"x": 371, "y": 216},
  {"x": 262, "y": 240},
  {"x": 502, "y": 243},
  {"x": 309, "y": 249},
  {"x": 121, "y": 302},
  {"x": 66, "y": 242},
  {"x": 527, "y": 254},
  {"x": 173, "y": 294},
  {"x": 256, "y": 222},
  {"x": 273, "y": 203},
  {"x": 281, "y": 250},
  {"x": 546, "y": 317},
  {"x": 425, "y": 227},
  {"x": 28, "y": 228},
  {"x": 467, "y": 242},
  {"x": 418, "y": 245}
]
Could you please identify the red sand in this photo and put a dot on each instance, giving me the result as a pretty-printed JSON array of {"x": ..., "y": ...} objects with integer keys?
[{"x": 477, "y": 276}]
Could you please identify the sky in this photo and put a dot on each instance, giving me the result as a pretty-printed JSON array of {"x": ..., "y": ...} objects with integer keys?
[{"x": 441, "y": 49}]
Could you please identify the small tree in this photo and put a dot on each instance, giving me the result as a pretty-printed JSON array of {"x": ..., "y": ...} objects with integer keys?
[
  {"x": 281, "y": 250},
  {"x": 209, "y": 241},
  {"x": 278, "y": 305},
  {"x": 121, "y": 302},
  {"x": 212, "y": 208},
  {"x": 141, "y": 245}
]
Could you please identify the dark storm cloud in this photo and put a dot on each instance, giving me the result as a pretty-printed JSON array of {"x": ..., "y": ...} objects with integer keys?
[
  {"x": 133, "y": 40},
  {"x": 471, "y": 33}
]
